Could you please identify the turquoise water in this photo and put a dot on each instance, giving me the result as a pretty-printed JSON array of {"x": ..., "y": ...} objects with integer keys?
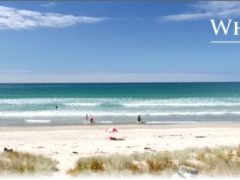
[{"x": 24, "y": 104}]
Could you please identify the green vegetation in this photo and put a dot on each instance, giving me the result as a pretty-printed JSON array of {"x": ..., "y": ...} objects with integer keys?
[
  {"x": 25, "y": 163},
  {"x": 222, "y": 161}
]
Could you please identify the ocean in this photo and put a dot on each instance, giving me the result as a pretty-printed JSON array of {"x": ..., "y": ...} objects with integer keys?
[{"x": 111, "y": 103}]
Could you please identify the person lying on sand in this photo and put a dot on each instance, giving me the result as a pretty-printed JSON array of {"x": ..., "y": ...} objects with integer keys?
[{"x": 115, "y": 138}]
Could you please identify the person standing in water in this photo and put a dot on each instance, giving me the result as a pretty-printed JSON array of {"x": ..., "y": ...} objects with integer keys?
[
  {"x": 91, "y": 119},
  {"x": 139, "y": 119}
]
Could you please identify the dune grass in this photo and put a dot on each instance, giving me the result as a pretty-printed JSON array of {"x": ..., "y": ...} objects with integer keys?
[
  {"x": 25, "y": 163},
  {"x": 223, "y": 161}
]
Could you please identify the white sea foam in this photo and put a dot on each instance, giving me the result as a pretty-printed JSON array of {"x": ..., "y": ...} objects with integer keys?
[
  {"x": 174, "y": 104},
  {"x": 185, "y": 102},
  {"x": 37, "y": 101},
  {"x": 127, "y": 102},
  {"x": 37, "y": 121},
  {"x": 81, "y": 104},
  {"x": 118, "y": 108}
]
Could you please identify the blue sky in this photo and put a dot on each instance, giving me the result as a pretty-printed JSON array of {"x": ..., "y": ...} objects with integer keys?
[{"x": 115, "y": 41}]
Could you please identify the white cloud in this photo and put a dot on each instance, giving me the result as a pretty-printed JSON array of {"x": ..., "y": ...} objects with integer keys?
[
  {"x": 12, "y": 18},
  {"x": 203, "y": 10}
]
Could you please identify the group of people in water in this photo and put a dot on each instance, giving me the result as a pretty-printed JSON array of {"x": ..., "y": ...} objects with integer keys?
[{"x": 89, "y": 117}]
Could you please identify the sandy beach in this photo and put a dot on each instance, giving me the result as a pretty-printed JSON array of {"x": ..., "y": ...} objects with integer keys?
[{"x": 67, "y": 143}]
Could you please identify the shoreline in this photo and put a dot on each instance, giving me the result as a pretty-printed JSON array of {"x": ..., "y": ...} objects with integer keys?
[{"x": 215, "y": 124}]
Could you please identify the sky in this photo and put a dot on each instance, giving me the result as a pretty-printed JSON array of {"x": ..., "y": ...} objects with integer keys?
[{"x": 107, "y": 41}]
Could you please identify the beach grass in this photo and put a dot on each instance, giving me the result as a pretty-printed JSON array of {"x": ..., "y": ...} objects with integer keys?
[
  {"x": 222, "y": 161},
  {"x": 25, "y": 163}
]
